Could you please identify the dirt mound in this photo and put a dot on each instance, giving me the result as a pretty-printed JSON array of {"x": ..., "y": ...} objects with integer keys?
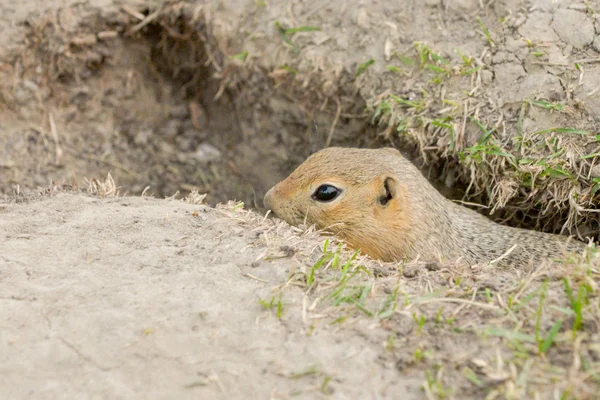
[
  {"x": 138, "y": 297},
  {"x": 183, "y": 320}
]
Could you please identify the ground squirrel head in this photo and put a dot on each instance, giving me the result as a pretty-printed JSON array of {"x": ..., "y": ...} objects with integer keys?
[{"x": 361, "y": 195}]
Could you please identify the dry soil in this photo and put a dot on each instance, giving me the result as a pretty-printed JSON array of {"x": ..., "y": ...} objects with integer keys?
[{"x": 142, "y": 297}]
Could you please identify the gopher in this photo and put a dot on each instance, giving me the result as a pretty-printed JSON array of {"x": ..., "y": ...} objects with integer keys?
[{"x": 379, "y": 202}]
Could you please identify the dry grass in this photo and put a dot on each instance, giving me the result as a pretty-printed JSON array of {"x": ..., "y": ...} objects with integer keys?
[
  {"x": 106, "y": 188},
  {"x": 195, "y": 198}
]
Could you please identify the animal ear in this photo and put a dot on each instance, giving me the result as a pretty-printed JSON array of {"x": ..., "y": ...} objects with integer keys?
[{"x": 389, "y": 190}]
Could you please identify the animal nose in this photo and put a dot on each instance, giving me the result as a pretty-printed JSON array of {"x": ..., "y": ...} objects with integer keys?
[{"x": 268, "y": 200}]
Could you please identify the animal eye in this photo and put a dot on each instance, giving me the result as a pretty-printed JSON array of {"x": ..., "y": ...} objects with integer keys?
[{"x": 326, "y": 193}]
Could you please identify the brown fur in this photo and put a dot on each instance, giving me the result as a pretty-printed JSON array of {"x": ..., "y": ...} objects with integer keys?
[{"x": 418, "y": 220}]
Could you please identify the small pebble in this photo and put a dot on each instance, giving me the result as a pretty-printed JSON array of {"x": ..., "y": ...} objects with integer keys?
[
  {"x": 289, "y": 251},
  {"x": 410, "y": 272},
  {"x": 433, "y": 266},
  {"x": 379, "y": 272}
]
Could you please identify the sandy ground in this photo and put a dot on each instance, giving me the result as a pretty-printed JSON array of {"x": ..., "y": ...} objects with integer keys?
[{"x": 140, "y": 298}]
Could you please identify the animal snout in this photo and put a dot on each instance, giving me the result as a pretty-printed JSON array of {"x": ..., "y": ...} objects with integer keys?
[{"x": 268, "y": 200}]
